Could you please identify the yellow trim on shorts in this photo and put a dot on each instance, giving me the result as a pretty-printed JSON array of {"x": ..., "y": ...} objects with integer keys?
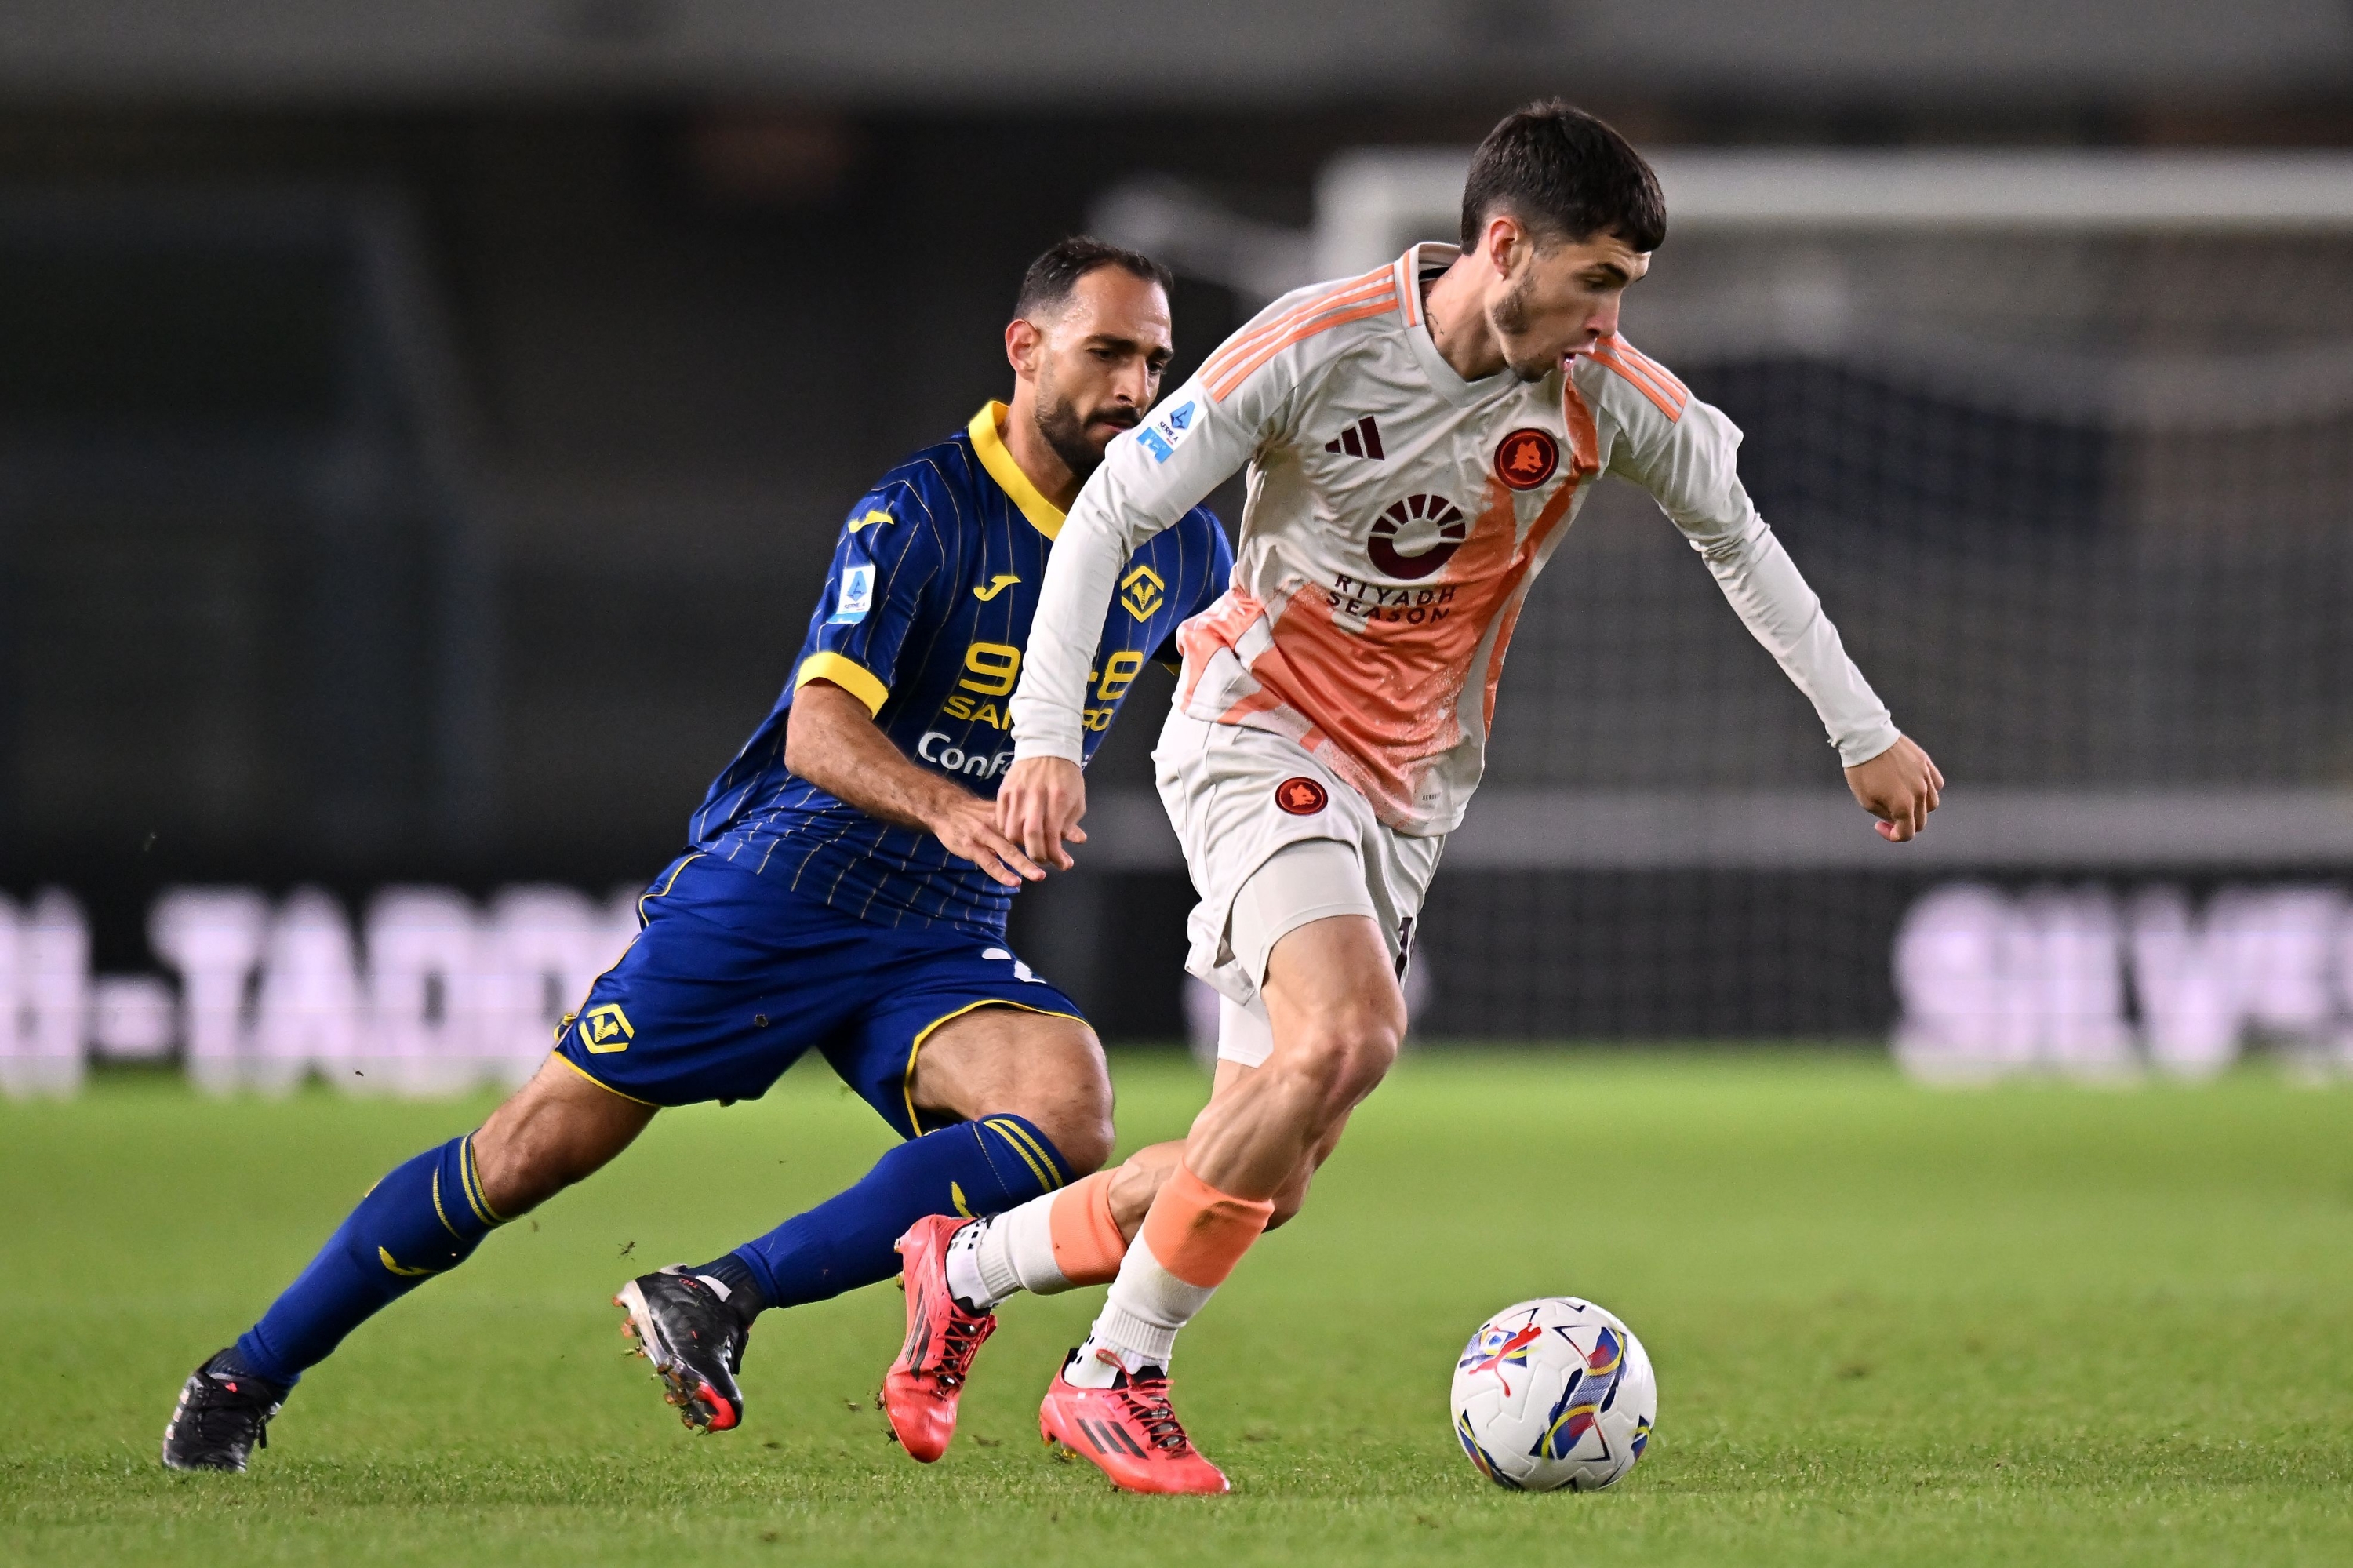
[
  {"x": 907, "y": 1080},
  {"x": 603, "y": 1085},
  {"x": 571, "y": 1018},
  {"x": 662, "y": 892}
]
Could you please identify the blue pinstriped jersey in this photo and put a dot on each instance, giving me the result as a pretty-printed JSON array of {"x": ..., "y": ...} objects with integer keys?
[{"x": 924, "y": 616}]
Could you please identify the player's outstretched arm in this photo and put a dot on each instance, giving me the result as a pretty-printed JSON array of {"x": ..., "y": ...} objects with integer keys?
[
  {"x": 1900, "y": 787},
  {"x": 1150, "y": 477},
  {"x": 1684, "y": 454},
  {"x": 831, "y": 741}
]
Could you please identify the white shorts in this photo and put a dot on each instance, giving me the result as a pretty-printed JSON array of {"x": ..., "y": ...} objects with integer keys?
[{"x": 1273, "y": 840}]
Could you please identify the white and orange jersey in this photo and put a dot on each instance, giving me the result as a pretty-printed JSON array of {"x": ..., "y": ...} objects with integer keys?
[{"x": 1397, "y": 515}]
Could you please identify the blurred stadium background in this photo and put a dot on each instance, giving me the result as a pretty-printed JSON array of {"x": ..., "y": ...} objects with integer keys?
[{"x": 422, "y": 428}]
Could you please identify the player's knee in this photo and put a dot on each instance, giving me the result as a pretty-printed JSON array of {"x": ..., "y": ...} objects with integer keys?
[
  {"x": 1067, "y": 1098},
  {"x": 1343, "y": 1057},
  {"x": 1079, "y": 1122},
  {"x": 1324, "y": 1085},
  {"x": 1081, "y": 1131},
  {"x": 1050, "y": 1072}
]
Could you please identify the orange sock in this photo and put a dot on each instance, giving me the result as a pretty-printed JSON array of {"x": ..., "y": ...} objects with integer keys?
[
  {"x": 1087, "y": 1244},
  {"x": 1198, "y": 1233}
]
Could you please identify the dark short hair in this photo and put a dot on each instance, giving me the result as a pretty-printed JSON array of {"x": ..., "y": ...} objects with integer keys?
[
  {"x": 1047, "y": 286},
  {"x": 1568, "y": 177}
]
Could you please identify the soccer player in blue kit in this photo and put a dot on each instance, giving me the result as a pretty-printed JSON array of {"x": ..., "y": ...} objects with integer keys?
[{"x": 845, "y": 891}]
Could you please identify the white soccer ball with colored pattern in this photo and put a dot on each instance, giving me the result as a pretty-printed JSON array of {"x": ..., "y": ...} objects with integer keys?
[{"x": 1553, "y": 1393}]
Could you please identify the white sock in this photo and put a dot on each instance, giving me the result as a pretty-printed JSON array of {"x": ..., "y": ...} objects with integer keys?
[
  {"x": 965, "y": 1281},
  {"x": 1005, "y": 1255},
  {"x": 1146, "y": 1307}
]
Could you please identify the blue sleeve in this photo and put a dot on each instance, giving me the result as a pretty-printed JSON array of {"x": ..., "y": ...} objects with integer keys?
[
  {"x": 1208, "y": 570},
  {"x": 891, "y": 550}
]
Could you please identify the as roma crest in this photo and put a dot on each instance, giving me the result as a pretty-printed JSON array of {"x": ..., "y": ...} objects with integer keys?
[
  {"x": 1301, "y": 797},
  {"x": 1526, "y": 458}
]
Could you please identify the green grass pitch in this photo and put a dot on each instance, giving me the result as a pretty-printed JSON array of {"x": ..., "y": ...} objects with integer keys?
[{"x": 2024, "y": 1326}]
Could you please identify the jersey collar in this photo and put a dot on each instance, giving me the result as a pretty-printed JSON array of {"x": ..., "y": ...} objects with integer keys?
[
  {"x": 1043, "y": 514},
  {"x": 1428, "y": 256}
]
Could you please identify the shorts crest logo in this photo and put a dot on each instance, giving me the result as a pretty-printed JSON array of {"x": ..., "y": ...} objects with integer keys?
[
  {"x": 1301, "y": 797},
  {"x": 1141, "y": 592},
  {"x": 605, "y": 1030},
  {"x": 1526, "y": 458}
]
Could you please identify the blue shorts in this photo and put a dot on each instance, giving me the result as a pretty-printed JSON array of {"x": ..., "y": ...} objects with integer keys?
[{"x": 733, "y": 978}]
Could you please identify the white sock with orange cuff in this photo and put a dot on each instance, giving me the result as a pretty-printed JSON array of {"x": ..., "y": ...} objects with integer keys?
[
  {"x": 1192, "y": 1239},
  {"x": 1047, "y": 1245}
]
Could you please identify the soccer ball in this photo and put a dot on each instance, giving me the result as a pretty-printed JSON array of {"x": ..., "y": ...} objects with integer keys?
[{"x": 1553, "y": 1393}]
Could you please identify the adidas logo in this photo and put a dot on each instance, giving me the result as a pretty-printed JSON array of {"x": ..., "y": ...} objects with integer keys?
[{"x": 1362, "y": 440}]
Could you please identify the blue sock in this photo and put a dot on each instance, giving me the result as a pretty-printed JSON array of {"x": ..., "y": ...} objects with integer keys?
[
  {"x": 975, "y": 1168},
  {"x": 425, "y": 1218}
]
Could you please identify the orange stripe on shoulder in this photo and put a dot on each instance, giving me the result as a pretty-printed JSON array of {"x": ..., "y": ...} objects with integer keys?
[
  {"x": 1244, "y": 344},
  {"x": 1637, "y": 356},
  {"x": 1235, "y": 374},
  {"x": 1305, "y": 307},
  {"x": 1667, "y": 396},
  {"x": 1241, "y": 342}
]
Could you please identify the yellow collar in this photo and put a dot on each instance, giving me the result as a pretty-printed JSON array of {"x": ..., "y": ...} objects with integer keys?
[{"x": 1043, "y": 514}]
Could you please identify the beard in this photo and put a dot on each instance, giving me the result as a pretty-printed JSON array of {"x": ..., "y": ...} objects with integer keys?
[
  {"x": 1065, "y": 430},
  {"x": 1066, "y": 433},
  {"x": 1508, "y": 317}
]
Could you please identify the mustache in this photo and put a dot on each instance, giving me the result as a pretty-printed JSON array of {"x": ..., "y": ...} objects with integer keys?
[{"x": 1124, "y": 418}]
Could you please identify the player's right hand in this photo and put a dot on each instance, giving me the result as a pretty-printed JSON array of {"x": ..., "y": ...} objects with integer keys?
[
  {"x": 1039, "y": 807},
  {"x": 1900, "y": 787},
  {"x": 967, "y": 825}
]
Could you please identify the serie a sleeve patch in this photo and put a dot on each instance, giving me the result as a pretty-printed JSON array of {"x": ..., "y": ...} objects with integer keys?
[
  {"x": 856, "y": 595},
  {"x": 1163, "y": 433}
]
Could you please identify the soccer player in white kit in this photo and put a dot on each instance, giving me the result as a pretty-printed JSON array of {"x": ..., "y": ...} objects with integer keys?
[{"x": 1418, "y": 440}]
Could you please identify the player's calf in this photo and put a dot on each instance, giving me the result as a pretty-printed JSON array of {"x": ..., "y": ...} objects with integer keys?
[
  {"x": 1337, "y": 1021},
  {"x": 424, "y": 1217}
]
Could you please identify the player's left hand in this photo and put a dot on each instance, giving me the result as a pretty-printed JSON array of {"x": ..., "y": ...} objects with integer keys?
[
  {"x": 1039, "y": 807},
  {"x": 1900, "y": 787},
  {"x": 967, "y": 825}
]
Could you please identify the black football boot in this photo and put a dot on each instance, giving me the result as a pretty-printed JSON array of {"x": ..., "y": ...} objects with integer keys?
[
  {"x": 695, "y": 1339},
  {"x": 222, "y": 1417}
]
